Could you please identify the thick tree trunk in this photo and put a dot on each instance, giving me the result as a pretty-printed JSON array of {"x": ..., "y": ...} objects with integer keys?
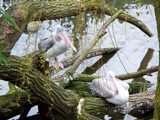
[
  {"x": 21, "y": 73},
  {"x": 157, "y": 98}
]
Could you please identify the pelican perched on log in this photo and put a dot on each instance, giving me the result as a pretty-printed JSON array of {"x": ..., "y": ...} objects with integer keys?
[
  {"x": 111, "y": 89},
  {"x": 54, "y": 44}
]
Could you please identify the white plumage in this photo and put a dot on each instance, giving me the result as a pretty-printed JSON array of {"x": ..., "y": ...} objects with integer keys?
[
  {"x": 54, "y": 44},
  {"x": 113, "y": 90}
]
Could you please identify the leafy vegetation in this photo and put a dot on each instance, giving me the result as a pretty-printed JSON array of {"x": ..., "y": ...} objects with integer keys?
[{"x": 8, "y": 18}]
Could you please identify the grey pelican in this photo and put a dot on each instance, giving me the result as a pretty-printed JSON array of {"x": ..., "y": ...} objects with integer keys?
[
  {"x": 111, "y": 89},
  {"x": 54, "y": 44}
]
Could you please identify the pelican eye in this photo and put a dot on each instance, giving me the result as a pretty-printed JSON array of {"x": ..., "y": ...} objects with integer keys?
[{"x": 45, "y": 39}]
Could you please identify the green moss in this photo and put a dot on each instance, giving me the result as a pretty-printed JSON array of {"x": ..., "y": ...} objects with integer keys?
[{"x": 85, "y": 77}]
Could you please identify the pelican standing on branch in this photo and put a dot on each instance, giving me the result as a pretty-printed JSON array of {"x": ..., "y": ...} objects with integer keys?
[
  {"x": 111, "y": 89},
  {"x": 54, "y": 44}
]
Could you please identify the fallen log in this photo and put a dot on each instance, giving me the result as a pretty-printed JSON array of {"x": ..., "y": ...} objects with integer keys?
[
  {"x": 20, "y": 72},
  {"x": 138, "y": 103}
]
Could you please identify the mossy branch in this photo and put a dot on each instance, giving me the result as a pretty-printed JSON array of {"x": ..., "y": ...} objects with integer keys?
[
  {"x": 89, "y": 78},
  {"x": 138, "y": 73}
]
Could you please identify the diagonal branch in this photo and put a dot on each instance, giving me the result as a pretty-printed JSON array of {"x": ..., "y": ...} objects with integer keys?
[{"x": 96, "y": 39}]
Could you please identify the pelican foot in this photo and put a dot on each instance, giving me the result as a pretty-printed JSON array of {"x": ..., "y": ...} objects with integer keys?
[
  {"x": 58, "y": 65},
  {"x": 61, "y": 65}
]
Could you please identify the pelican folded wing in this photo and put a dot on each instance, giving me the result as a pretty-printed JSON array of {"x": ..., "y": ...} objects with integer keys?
[{"x": 100, "y": 87}]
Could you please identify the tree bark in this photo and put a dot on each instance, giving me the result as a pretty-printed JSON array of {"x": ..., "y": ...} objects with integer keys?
[
  {"x": 21, "y": 73},
  {"x": 157, "y": 98},
  {"x": 15, "y": 104}
]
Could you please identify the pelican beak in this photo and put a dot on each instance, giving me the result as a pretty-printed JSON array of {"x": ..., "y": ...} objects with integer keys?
[
  {"x": 115, "y": 85},
  {"x": 67, "y": 41}
]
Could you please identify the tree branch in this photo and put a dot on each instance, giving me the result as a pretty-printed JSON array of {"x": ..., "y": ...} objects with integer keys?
[
  {"x": 138, "y": 73},
  {"x": 89, "y": 78},
  {"x": 95, "y": 52},
  {"x": 50, "y": 9}
]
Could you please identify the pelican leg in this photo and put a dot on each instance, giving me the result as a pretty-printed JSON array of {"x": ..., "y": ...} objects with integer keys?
[
  {"x": 55, "y": 65},
  {"x": 60, "y": 64}
]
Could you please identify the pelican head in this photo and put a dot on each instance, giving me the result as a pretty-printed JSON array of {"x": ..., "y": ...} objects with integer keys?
[
  {"x": 110, "y": 75},
  {"x": 61, "y": 33},
  {"x": 59, "y": 29}
]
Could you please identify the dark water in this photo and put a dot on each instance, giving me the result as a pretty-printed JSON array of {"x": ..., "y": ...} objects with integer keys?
[{"x": 138, "y": 50}]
